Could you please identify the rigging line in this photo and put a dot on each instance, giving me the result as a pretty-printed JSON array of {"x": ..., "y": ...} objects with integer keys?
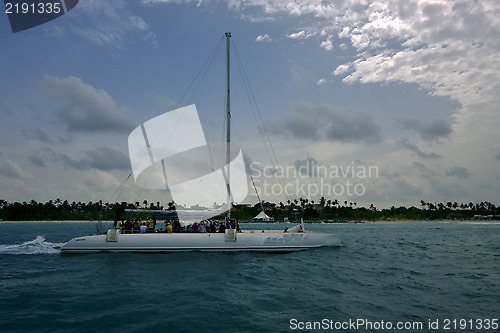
[
  {"x": 120, "y": 188},
  {"x": 203, "y": 70},
  {"x": 123, "y": 187},
  {"x": 247, "y": 88},
  {"x": 253, "y": 102},
  {"x": 254, "y": 105},
  {"x": 203, "y": 76},
  {"x": 266, "y": 146},
  {"x": 264, "y": 128}
]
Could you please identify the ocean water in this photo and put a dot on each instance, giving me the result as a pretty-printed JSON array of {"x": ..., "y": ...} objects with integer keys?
[{"x": 445, "y": 276}]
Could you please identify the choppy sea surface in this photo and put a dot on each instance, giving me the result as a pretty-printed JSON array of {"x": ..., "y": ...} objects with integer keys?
[{"x": 445, "y": 276}]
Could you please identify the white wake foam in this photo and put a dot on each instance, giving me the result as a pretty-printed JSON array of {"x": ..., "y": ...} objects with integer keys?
[{"x": 36, "y": 246}]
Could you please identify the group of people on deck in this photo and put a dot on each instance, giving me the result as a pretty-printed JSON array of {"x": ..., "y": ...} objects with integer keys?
[
  {"x": 149, "y": 225},
  {"x": 137, "y": 225},
  {"x": 213, "y": 226}
]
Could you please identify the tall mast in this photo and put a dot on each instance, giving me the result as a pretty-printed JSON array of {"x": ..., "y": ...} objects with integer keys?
[{"x": 228, "y": 107}]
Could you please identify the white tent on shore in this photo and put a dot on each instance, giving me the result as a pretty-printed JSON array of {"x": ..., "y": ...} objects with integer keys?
[{"x": 263, "y": 217}]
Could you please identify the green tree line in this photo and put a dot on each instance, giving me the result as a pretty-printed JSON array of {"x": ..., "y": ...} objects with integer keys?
[
  {"x": 326, "y": 209},
  {"x": 63, "y": 210},
  {"x": 323, "y": 209}
]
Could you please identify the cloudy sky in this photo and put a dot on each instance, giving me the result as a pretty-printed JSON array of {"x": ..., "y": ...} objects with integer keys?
[{"x": 409, "y": 88}]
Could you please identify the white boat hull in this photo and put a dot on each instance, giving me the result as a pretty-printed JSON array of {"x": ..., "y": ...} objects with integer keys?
[{"x": 252, "y": 240}]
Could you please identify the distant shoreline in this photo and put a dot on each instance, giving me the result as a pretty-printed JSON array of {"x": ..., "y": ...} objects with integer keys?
[
  {"x": 57, "y": 221},
  {"x": 326, "y": 222}
]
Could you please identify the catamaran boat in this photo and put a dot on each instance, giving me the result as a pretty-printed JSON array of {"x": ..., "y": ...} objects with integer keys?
[
  {"x": 231, "y": 240},
  {"x": 152, "y": 161}
]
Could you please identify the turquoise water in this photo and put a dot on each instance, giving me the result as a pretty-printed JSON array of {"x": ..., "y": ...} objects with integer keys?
[{"x": 390, "y": 272}]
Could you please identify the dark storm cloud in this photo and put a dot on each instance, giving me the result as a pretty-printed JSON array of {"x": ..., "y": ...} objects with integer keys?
[
  {"x": 460, "y": 172},
  {"x": 307, "y": 167},
  {"x": 325, "y": 122},
  {"x": 102, "y": 158},
  {"x": 5, "y": 109},
  {"x": 88, "y": 109},
  {"x": 414, "y": 148},
  {"x": 37, "y": 161},
  {"x": 428, "y": 129},
  {"x": 105, "y": 159},
  {"x": 11, "y": 169}
]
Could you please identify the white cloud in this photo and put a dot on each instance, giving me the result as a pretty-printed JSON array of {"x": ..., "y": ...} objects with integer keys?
[
  {"x": 321, "y": 81},
  {"x": 343, "y": 46},
  {"x": 138, "y": 23},
  {"x": 360, "y": 41},
  {"x": 105, "y": 23},
  {"x": 327, "y": 44},
  {"x": 448, "y": 47},
  {"x": 341, "y": 69},
  {"x": 344, "y": 33},
  {"x": 263, "y": 38},
  {"x": 301, "y": 35}
]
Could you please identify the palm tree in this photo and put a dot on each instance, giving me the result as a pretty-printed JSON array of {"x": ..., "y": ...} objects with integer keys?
[{"x": 302, "y": 202}]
